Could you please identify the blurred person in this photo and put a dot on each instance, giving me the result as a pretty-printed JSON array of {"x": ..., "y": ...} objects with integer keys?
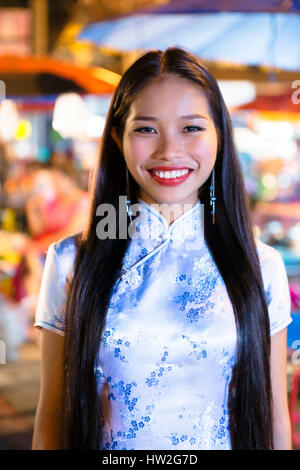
[
  {"x": 56, "y": 208},
  {"x": 147, "y": 343},
  {"x": 57, "y": 205}
]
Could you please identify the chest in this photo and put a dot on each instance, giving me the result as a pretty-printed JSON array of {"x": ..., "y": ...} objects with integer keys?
[{"x": 172, "y": 310}]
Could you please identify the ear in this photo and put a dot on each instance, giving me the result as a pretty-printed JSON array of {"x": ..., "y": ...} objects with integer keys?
[{"x": 115, "y": 137}]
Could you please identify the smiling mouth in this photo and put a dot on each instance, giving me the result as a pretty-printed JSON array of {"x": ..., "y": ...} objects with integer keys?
[
  {"x": 170, "y": 178},
  {"x": 171, "y": 174}
]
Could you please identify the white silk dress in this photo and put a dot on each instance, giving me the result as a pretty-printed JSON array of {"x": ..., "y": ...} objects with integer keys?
[{"x": 168, "y": 349}]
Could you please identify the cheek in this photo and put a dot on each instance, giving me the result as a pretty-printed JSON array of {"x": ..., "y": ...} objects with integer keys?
[
  {"x": 204, "y": 150},
  {"x": 136, "y": 149}
]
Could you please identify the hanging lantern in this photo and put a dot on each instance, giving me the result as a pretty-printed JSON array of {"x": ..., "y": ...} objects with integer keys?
[{"x": 70, "y": 116}]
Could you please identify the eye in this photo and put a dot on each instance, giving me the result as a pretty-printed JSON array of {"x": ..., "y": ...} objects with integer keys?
[
  {"x": 144, "y": 130},
  {"x": 192, "y": 129}
]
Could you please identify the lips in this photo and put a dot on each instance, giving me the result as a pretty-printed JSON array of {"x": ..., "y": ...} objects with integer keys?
[{"x": 169, "y": 181}]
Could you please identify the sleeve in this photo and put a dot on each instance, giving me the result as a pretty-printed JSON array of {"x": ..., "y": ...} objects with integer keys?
[
  {"x": 50, "y": 311},
  {"x": 278, "y": 295}
]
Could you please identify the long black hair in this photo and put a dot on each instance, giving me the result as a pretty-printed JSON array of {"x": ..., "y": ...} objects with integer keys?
[{"x": 230, "y": 240}]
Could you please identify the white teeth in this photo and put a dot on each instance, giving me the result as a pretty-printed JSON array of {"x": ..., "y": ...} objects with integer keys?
[{"x": 170, "y": 174}]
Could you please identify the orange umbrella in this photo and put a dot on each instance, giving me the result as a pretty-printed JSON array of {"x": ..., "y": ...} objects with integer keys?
[{"x": 45, "y": 75}]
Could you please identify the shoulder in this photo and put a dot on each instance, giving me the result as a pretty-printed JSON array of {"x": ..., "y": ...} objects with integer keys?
[
  {"x": 58, "y": 268},
  {"x": 66, "y": 246},
  {"x": 268, "y": 256},
  {"x": 276, "y": 286},
  {"x": 272, "y": 267},
  {"x": 63, "y": 253}
]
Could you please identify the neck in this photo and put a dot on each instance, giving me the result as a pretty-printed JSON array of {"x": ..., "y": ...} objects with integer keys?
[{"x": 169, "y": 211}]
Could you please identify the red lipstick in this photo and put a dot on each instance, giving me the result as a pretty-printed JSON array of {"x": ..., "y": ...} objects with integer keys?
[{"x": 169, "y": 181}]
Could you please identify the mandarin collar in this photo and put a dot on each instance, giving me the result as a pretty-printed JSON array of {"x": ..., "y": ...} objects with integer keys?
[
  {"x": 150, "y": 233},
  {"x": 150, "y": 224}
]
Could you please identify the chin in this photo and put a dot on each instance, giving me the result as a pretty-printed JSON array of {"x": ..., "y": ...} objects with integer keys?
[{"x": 173, "y": 200}]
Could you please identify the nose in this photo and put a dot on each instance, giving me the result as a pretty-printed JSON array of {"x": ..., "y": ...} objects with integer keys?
[{"x": 170, "y": 147}]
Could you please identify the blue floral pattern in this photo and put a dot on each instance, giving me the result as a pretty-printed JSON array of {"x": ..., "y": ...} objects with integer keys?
[{"x": 168, "y": 348}]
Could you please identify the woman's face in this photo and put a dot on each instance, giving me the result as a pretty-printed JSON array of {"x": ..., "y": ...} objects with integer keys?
[{"x": 169, "y": 141}]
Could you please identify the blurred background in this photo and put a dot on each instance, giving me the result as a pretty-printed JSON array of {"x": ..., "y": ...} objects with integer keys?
[{"x": 60, "y": 62}]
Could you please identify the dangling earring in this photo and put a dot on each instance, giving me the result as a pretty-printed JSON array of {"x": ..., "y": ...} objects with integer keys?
[
  {"x": 212, "y": 196},
  {"x": 128, "y": 202}
]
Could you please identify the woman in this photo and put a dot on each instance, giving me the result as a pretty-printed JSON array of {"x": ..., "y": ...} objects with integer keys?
[{"x": 172, "y": 336}]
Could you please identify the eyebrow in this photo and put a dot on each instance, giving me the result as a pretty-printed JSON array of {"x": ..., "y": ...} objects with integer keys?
[{"x": 150, "y": 118}]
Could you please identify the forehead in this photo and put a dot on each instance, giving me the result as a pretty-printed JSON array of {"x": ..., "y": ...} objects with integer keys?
[{"x": 170, "y": 93}]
